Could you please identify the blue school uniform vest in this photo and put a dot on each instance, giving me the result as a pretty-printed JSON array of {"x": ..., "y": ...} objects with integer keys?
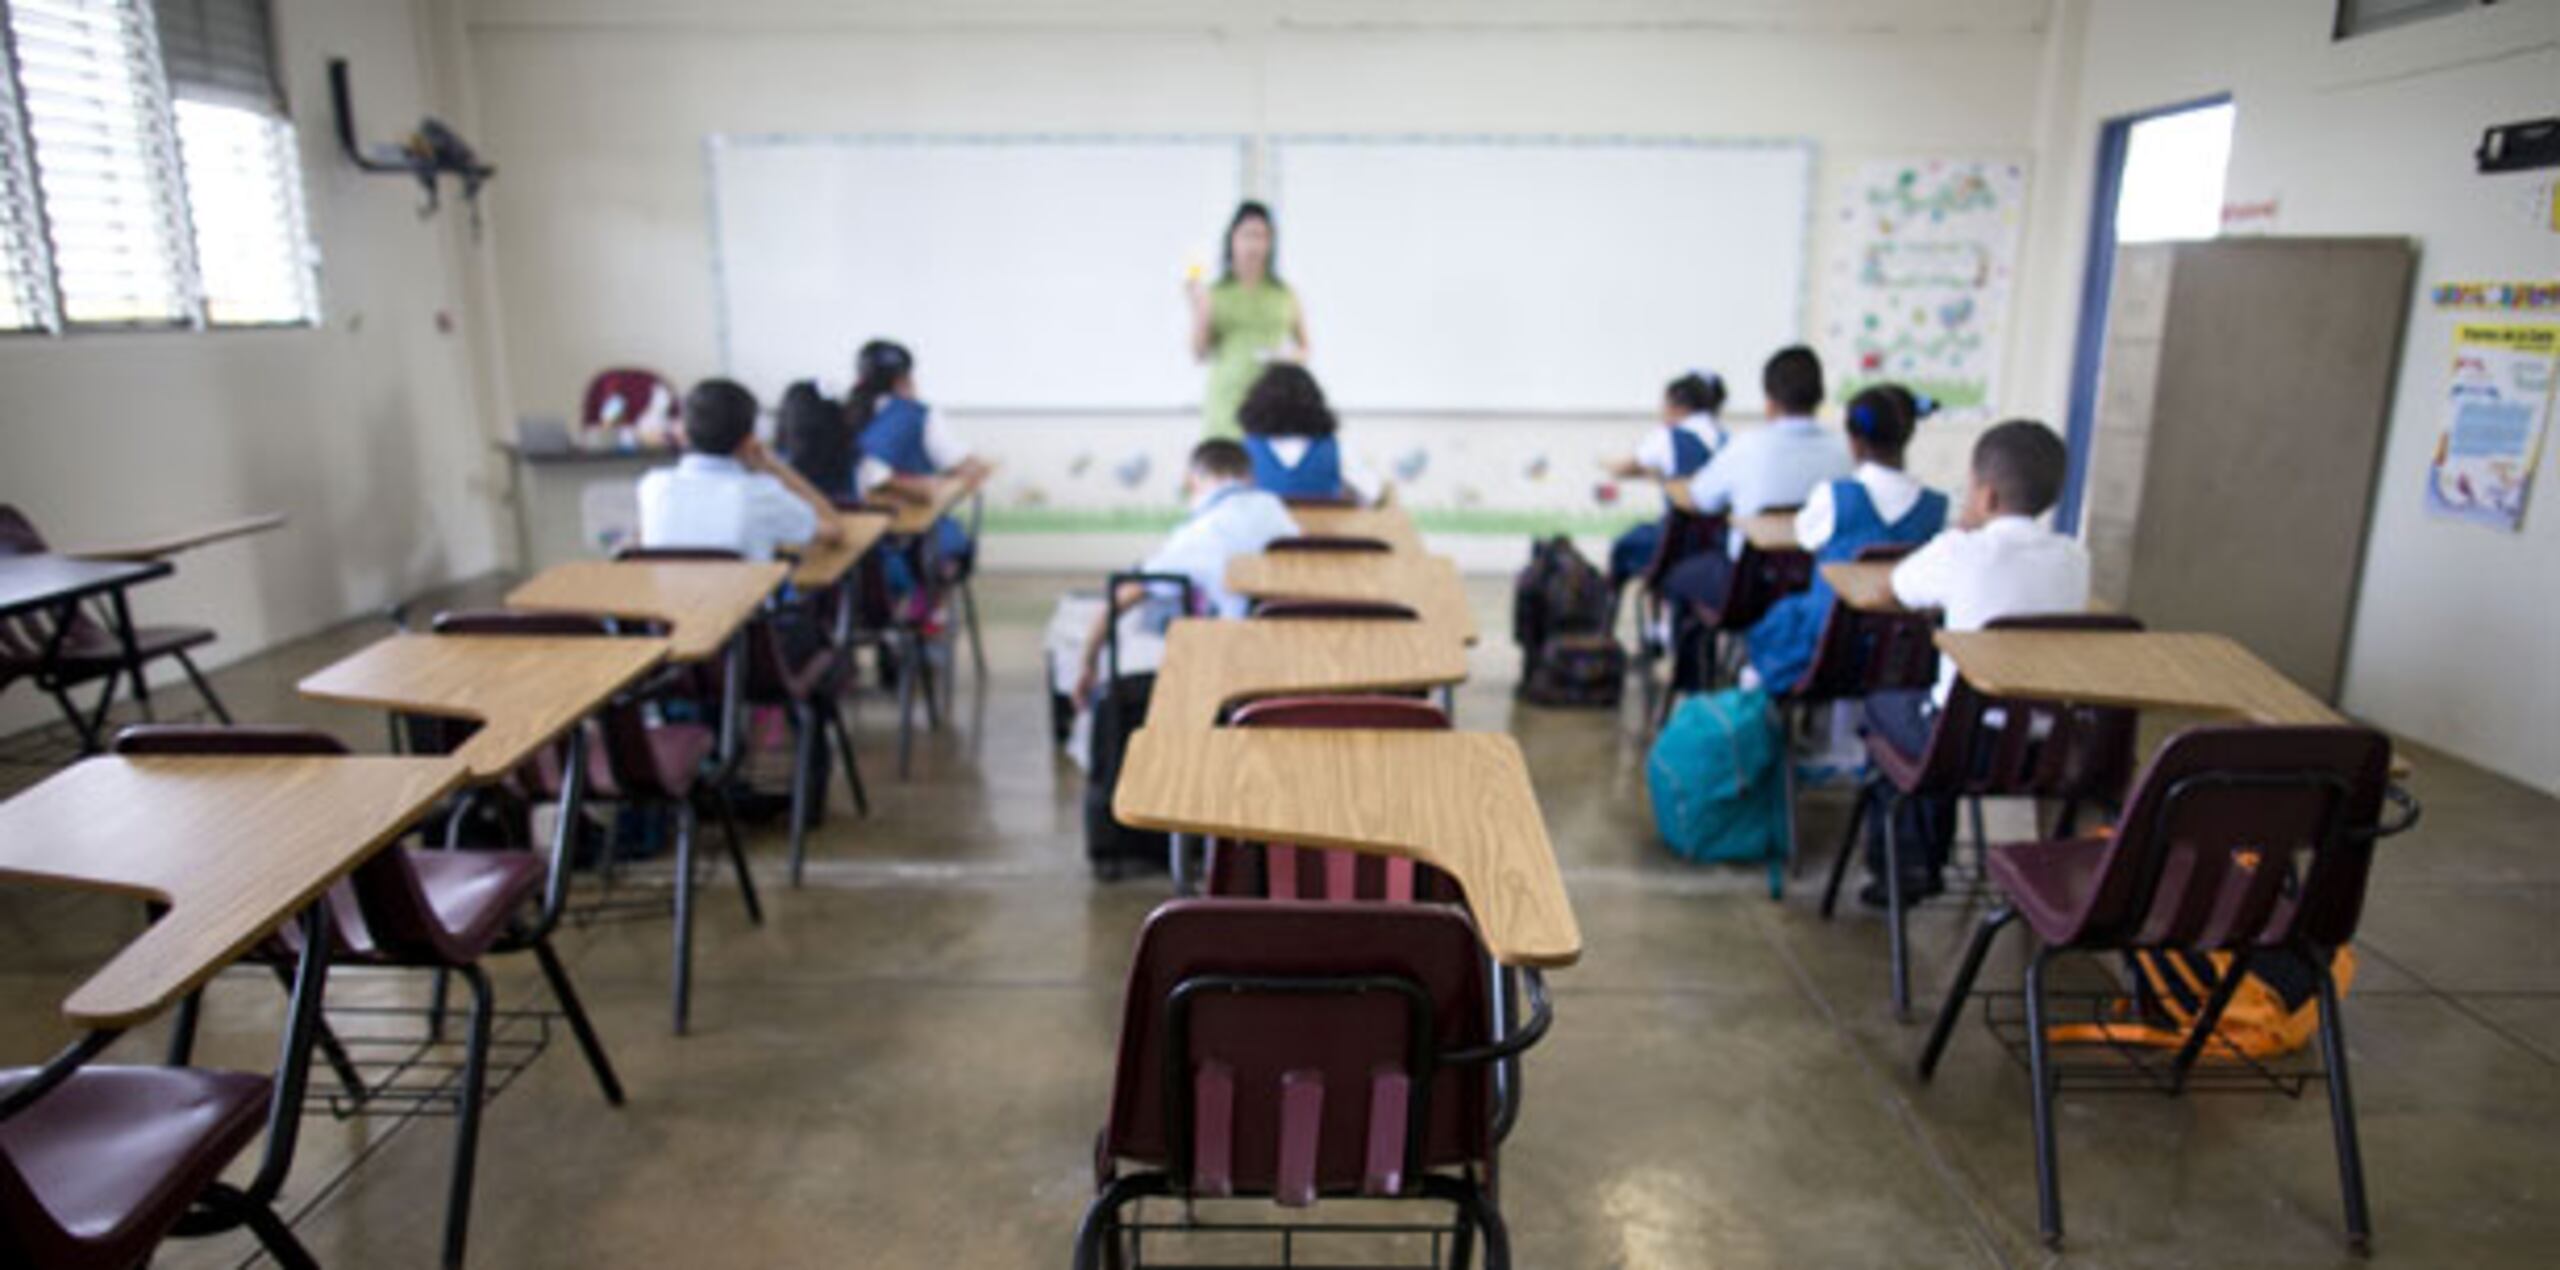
[
  {"x": 1317, "y": 475},
  {"x": 895, "y": 436},
  {"x": 1689, "y": 452},
  {"x": 1781, "y": 644}
]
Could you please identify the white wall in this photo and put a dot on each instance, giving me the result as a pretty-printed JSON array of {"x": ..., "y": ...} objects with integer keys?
[
  {"x": 2452, "y": 642},
  {"x": 363, "y": 431},
  {"x": 599, "y": 110}
]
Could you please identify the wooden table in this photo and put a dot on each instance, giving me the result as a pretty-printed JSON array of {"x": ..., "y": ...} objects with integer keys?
[
  {"x": 1458, "y": 801},
  {"x": 523, "y": 690},
  {"x": 1210, "y": 665},
  {"x": 1864, "y": 585},
  {"x": 913, "y": 519},
  {"x": 234, "y": 847},
  {"x": 184, "y": 540},
  {"x": 60, "y": 583},
  {"x": 702, "y": 602},
  {"x": 1427, "y": 584},
  {"x": 1770, "y": 531},
  {"x": 1389, "y": 525},
  {"x": 823, "y": 566}
]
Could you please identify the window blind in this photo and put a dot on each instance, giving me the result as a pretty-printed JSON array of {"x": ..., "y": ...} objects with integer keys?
[
  {"x": 26, "y": 277},
  {"x": 220, "y": 51},
  {"x": 98, "y": 120}
]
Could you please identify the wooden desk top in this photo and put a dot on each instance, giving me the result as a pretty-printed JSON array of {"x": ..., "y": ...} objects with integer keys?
[
  {"x": 824, "y": 566},
  {"x": 234, "y": 847},
  {"x": 917, "y": 518},
  {"x": 2176, "y": 670},
  {"x": 1865, "y": 585},
  {"x": 1458, "y": 801},
  {"x": 1389, "y": 525},
  {"x": 1770, "y": 531},
  {"x": 185, "y": 540},
  {"x": 1209, "y": 665},
  {"x": 523, "y": 690},
  {"x": 29, "y": 582},
  {"x": 702, "y": 602},
  {"x": 1427, "y": 584}
]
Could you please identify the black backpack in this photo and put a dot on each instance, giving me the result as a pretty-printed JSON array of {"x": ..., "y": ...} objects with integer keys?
[
  {"x": 1560, "y": 608},
  {"x": 1113, "y": 849}
]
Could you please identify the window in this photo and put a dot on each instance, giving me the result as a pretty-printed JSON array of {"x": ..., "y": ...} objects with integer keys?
[
  {"x": 2362, "y": 17},
  {"x": 165, "y": 180},
  {"x": 2174, "y": 166},
  {"x": 26, "y": 286}
]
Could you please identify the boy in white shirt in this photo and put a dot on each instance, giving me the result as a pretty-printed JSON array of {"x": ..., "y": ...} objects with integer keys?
[
  {"x": 728, "y": 492},
  {"x": 1997, "y": 563}
]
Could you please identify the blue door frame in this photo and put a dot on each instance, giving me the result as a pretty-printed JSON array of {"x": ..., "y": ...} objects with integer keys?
[{"x": 2097, "y": 281}]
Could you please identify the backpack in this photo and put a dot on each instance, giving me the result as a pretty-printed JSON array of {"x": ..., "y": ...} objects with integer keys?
[
  {"x": 1576, "y": 670},
  {"x": 1558, "y": 593},
  {"x": 2274, "y": 1011},
  {"x": 1718, "y": 793}
]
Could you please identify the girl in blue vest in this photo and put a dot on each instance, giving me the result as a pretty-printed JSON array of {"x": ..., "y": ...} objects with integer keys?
[
  {"x": 1877, "y": 503},
  {"x": 1289, "y": 435},
  {"x": 901, "y": 439},
  {"x": 1690, "y": 434}
]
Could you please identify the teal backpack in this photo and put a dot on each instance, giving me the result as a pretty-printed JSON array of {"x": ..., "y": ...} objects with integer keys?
[{"x": 1718, "y": 792}]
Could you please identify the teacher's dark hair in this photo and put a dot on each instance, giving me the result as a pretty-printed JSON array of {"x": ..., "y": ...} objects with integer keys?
[
  {"x": 876, "y": 370},
  {"x": 1250, "y": 209},
  {"x": 1285, "y": 402}
]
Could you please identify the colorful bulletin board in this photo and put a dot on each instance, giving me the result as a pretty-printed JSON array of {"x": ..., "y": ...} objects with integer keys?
[
  {"x": 1916, "y": 290},
  {"x": 2496, "y": 405}
]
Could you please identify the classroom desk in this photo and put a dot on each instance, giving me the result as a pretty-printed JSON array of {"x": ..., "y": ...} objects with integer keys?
[
  {"x": 523, "y": 690},
  {"x": 913, "y": 519},
  {"x": 1458, "y": 801},
  {"x": 1210, "y": 665},
  {"x": 702, "y": 602},
  {"x": 2168, "y": 670},
  {"x": 167, "y": 545},
  {"x": 1389, "y": 525},
  {"x": 1770, "y": 531},
  {"x": 817, "y": 567},
  {"x": 233, "y": 846},
  {"x": 1864, "y": 585},
  {"x": 1427, "y": 584},
  {"x": 60, "y": 583}
]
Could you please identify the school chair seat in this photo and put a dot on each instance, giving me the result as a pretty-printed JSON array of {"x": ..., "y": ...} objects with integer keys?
[
  {"x": 2236, "y": 840},
  {"x": 99, "y": 1169}
]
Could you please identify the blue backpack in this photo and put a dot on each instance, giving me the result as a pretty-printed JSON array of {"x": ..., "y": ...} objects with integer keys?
[{"x": 1718, "y": 793}]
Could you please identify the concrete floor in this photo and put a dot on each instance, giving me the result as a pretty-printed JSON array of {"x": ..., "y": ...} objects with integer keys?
[{"x": 906, "y": 1064}]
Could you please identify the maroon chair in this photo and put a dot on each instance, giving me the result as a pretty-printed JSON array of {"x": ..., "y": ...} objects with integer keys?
[
  {"x": 88, "y": 652},
  {"x": 436, "y": 910},
  {"x": 1684, "y": 534},
  {"x": 1319, "y": 500},
  {"x": 1714, "y": 629},
  {"x": 2239, "y": 840},
  {"x": 1352, "y": 610},
  {"x": 1855, "y": 654},
  {"x": 1274, "y": 871},
  {"x": 1329, "y": 544},
  {"x": 1302, "y": 1051},
  {"x": 623, "y": 395},
  {"x": 1986, "y": 747},
  {"x": 660, "y": 767}
]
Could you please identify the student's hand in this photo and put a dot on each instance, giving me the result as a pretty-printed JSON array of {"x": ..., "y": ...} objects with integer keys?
[
  {"x": 830, "y": 532},
  {"x": 752, "y": 455},
  {"x": 1084, "y": 691},
  {"x": 1196, "y": 291}
]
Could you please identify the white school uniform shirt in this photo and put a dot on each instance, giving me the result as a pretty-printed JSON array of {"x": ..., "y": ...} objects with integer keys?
[
  {"x": 1892, "y": 490},
  {"x": 1231, "y": 520},
  {"x": 2012, "y": 567},
  {"x": 712, "y": 500},
  {"x": 1654, "y": 453},
  {"x": 1779, "y": 465}
]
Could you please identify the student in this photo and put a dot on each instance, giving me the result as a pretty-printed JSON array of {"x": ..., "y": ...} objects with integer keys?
[
  {"x": 727, "y": 491},
  {"x": 1691, "y": 433},
  {"x": 902, "y": 441},
  {"x": 1229, "y": 518},
  {"x": 1290, "y": 436},
  {"x": 1778, "y": 465},
  {"x": 1876, "y": 504},
  {"x": 816, "y": 439},
  {"x": 1998, "y": 563}
]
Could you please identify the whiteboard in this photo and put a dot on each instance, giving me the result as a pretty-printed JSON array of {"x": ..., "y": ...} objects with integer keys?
[
  {"x": 1540, "y": 274},
  {"x": 1027, "y": 272}
]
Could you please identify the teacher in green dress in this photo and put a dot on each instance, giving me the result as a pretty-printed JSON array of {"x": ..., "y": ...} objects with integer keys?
[{"x": 1246, "y": 320}]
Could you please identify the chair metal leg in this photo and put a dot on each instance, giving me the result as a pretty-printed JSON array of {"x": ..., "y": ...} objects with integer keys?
[
  {"x": 203, "y": 689},
  {"x": 2200, "y": 1033},
  {"x": 1981, "y": 835},
  {"x": 804, "y": 719},
  {"x": 906, "y": 708},
  {"x": 1895, "y": 918},
  {"x": 1789, "y": 719},
  {"x": 2342, "y": 1108},
  {"x": 1945, "y": 1025},
  {"x": 844, "y": 751},
  {"x": 737, "y": 854},
  {"x": 331, "y": 1050},
  {"x": 589, "y": 1043},
  {"x": 182, "y": 1028},
  {"x": 277, "y": 1237},
  {"x": 1095, "y": 1233},
  {"x": 686, "y": 823},
  {"x": 466, "y": 1129},
  {"x": 969, "y": 614},
  {"x": 2040, "y": 1076},
  {"x": 1858, "y": 804}
]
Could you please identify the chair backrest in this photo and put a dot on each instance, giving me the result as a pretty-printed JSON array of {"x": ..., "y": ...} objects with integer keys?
[
  {"x": 1759, "y": 579},
  {"x": 2242, "y": 835},
  {"x": 1859, "y": 652},
  {"x": 1319, "y": 500},
  {"x": 2000, "y": 746},
  {"x": 1355, "y": 610},
  {"x": 1293, "y": 1050},
  {"x": 18, "y": 535},
  {"x": 1281, "y": 872},
  {"x": 23, "y": 638},
  {"x": 395, "y": 913},
  {"x": 767, "y": 676},
  {"x": 1684, "y": 534},
  {"x": 1339, "y": 544},
  {"x": 626, "y": 393},
  {"x": 636, "y": 552},
  {"x": 622, "y": 726}
]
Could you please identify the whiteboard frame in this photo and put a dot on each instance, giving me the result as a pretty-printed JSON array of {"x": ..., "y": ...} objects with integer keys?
[
  {"x": 1274, "y": 173},
  {"x": 714, "y": 143}
]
